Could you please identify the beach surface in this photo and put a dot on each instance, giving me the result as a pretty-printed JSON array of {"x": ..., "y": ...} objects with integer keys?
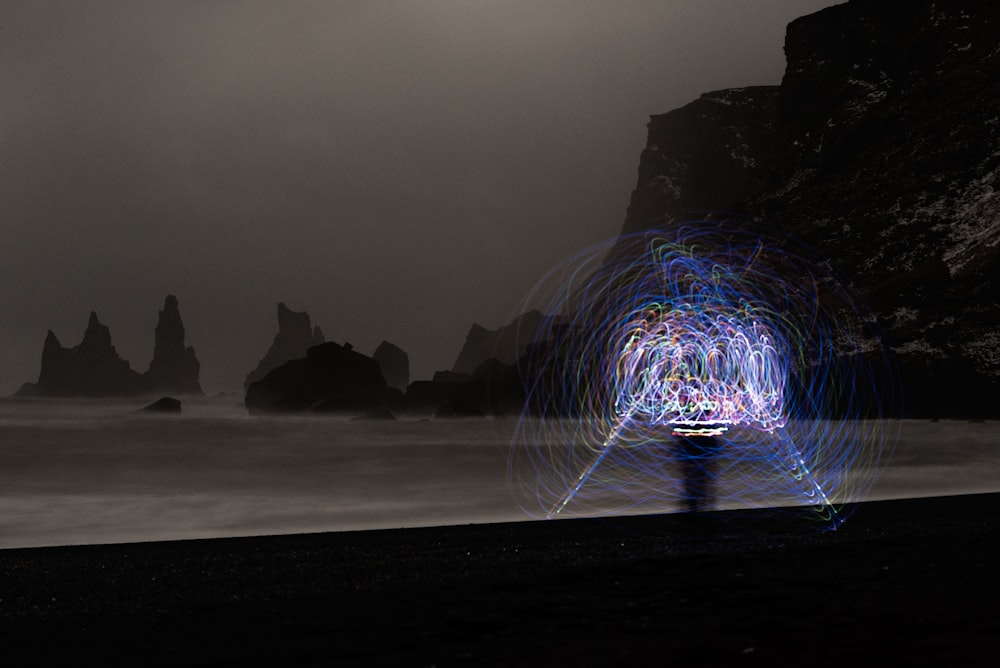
[{"x": 904, "y": 582}]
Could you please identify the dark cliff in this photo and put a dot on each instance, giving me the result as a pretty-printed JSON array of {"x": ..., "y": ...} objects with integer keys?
[
  {"x": 881, "y": 148},
  {"x": 710, "y": 155}
]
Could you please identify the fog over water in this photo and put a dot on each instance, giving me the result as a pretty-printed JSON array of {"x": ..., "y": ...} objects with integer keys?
[{"x": 94, "y": 472}]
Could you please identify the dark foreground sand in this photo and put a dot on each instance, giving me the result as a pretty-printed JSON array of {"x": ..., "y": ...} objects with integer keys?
[{"x": 902, "y": 583}]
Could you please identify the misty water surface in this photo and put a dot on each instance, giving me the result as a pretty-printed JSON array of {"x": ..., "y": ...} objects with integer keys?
[{"x": 95, "y": 472}]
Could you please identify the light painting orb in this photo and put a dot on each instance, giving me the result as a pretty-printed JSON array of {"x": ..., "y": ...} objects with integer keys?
[{"x": 704, "y": 329}]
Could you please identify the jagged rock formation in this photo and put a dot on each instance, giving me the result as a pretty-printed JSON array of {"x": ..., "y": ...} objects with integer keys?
[
  {"x": 329, "y": 378},
  {"x": 879, "y": 148},
  {"x": 295, "y": 336},
  {"x": 174, "y": 367},
  {"x": 94, "y": 369},
  {"x": 505, "y": 344},
  {"x": 395, "y": 365}
]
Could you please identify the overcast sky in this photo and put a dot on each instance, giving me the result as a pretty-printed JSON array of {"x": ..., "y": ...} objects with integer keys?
[{"x": 399, "y": 169}]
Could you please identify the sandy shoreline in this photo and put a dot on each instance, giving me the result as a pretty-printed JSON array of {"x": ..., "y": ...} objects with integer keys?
[{"x": 913, "y": 582}]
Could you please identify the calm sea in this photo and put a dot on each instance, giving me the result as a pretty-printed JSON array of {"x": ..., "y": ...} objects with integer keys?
[{"x": 95, "y": 472}]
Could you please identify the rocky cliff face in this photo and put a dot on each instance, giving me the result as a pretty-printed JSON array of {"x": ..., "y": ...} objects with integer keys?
[
  {"x": 174, "y": 367},
  {"x": 881, "y": 148},
  {"x": 295, "y": 336},
  {"x": 711, "y": 155}
]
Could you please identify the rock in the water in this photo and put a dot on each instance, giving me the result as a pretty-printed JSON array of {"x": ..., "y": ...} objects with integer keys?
[
  {"x": 395, "y": 365},
  {"x": 91, "y": 369},
  {"x": 879, "y": 148},
  {"x": 173, "y": 368},
  {"x": 295, "y": 336},
  {"x": 329, "y": 378},
  {"x": 164, "y": 405}
]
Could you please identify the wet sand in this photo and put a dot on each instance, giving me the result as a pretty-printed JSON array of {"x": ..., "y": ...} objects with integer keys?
[{"x": 912, "y": 582}]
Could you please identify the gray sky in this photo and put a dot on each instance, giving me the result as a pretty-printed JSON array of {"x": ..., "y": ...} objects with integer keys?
[{"x": 400, "y": 169}]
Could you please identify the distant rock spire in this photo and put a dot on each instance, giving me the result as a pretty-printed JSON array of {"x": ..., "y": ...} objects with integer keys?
[{"x": 174, "y": 367}]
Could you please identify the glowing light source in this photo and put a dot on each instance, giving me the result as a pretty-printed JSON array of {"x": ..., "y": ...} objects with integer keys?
[
  {"x": 688, "y": 366},
  {"x": 699, "y": 330}
]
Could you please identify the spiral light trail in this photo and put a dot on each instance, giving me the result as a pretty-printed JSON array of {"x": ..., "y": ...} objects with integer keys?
[{"x": 702, "y": 330}]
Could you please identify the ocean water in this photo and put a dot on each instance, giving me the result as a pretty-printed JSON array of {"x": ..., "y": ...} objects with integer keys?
[{"x": 74, "y": 472}]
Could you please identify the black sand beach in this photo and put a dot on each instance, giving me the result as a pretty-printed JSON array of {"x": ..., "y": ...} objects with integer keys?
[{"x": 911, "y": 582}]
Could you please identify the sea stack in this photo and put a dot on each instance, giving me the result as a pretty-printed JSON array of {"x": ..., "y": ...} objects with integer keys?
[
  {"x": 94, "y": 369},
  {"x": 91, "y": 369},
  {"x": 174, "y": 367},
  {"x": 295, "y": 336}
]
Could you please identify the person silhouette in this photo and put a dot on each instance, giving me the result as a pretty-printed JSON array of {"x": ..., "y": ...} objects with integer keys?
[{"x": 697, "y": 454}]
